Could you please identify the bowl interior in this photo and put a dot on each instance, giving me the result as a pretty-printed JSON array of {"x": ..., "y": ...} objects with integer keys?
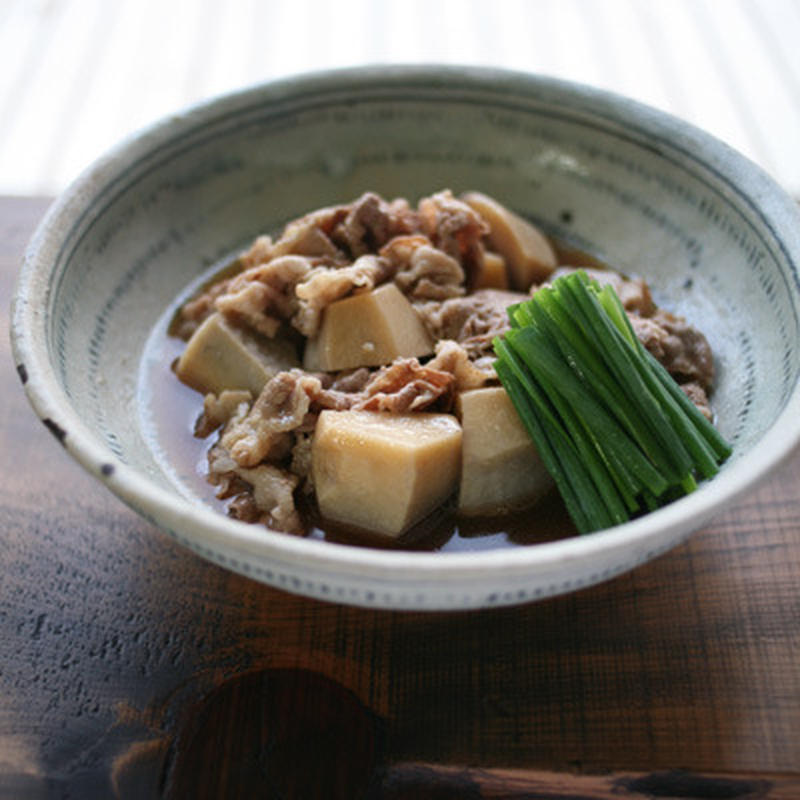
[{"x": 646, "y": 193}]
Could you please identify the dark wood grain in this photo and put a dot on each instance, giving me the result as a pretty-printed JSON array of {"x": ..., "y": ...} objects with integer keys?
[{"x": 131, "y": 668}]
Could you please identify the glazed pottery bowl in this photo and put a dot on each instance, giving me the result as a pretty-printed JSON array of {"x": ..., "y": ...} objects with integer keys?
[{"x": 717, "y": 239}]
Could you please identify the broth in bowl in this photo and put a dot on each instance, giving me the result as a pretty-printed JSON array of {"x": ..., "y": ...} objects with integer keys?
[{"x": 339, "y": 379}]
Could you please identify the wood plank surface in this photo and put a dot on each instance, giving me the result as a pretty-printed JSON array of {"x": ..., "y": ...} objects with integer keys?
[{"x": 131, "y": 668}]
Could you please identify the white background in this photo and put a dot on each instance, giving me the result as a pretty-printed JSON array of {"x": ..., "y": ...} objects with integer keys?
[{"x": 76, "y": 76}]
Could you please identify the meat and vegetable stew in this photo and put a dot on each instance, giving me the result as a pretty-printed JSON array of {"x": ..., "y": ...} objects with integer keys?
[{"x": 348, "y": 365}]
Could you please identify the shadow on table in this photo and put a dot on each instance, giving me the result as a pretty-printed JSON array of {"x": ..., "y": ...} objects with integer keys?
[{"x": 330, "y": 701}]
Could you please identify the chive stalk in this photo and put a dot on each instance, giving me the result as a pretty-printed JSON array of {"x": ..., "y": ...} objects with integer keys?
[{"x": 615, "y": 431}]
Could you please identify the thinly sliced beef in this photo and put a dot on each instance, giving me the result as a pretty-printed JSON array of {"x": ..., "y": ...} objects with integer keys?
[
  {"x": 259, "y": 252},
  {"x": 680, "y": 347},
  {"x": 406, "y": 386},
  {"x": 324, "y": 285},
  {"x": 264, "y": 493},
  {"x": 456, "y": 229},
  {"x": 421, "y": 271},
  {"x": 219, "y": 410},
  {"x": 263, "y": 296},
  {"x": 472, "y": 321},
  {"x": 193, "y": 313},
  {"x": 280, "y": 408},
  {"x": 352, "y": 380},
  {"x": 370, "y": 222},
  {"x": 452, "y": 358},
  {"x": 698, "y": 395}
]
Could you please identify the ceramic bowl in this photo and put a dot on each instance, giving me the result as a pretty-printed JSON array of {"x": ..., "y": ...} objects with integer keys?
[{"x": 716, "y": 238}]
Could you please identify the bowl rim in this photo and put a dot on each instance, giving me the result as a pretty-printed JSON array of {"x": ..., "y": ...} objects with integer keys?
[{"x": 29, "y": 343}]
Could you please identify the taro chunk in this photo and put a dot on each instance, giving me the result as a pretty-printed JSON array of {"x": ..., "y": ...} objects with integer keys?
[
  {"x": 528, "y": 254},
  {"x": 501, "y": 469},
  {"x": 494, "y": 273},
  {"x": 220, "y": 356},
  {"x": 367, "y": 330},
  {"x": 384, "y": 472}
]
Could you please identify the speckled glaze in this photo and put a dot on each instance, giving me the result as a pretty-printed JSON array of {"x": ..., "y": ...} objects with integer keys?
[{"x": 717, "y": 239}]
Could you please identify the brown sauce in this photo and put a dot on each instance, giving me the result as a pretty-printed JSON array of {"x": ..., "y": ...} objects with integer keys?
[
  {"x": 171, "y": 410},
  {"x": 444, "y": 530}
]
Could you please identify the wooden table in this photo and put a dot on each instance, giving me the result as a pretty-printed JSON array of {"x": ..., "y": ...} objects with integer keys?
[{"x": 130, "y": 668}]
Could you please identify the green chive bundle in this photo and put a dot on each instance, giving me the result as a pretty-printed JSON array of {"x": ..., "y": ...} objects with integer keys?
[{"x": 615, "y": 431}]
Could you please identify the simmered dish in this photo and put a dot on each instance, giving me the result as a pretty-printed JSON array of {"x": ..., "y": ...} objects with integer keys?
[{"x": 347, "y": 364}]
